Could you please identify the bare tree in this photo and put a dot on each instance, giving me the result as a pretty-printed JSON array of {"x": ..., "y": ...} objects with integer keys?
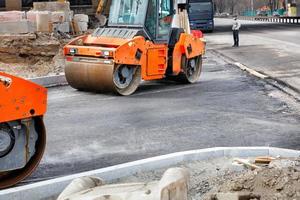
[
  {"x": 220, "y": 6},
  {"x": 238, "y": 6}
]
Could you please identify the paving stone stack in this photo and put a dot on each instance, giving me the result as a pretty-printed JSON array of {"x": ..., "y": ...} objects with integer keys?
[
  {"x": 44, "y": 17},
  {"x": 50, "y": 16},
  {"x": 15, "y": 22},
  {"x": 81, "y": 23}
]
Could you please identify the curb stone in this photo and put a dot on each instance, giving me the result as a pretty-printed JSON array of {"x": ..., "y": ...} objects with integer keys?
[
  {"x": 51, "y": 188},
  {"x": 50, "y": 81},
  {"x": 275, "y": 82}
]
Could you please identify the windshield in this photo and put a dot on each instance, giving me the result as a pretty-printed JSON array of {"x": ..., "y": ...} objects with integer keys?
[
  {"x": 128, "y": 12},
  {"x": 201, "y": 7}
]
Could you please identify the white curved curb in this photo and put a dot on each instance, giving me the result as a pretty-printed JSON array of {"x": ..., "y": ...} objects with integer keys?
[
  {"x": 50, "y": 81},
  {"x": 50, "y": 189}
]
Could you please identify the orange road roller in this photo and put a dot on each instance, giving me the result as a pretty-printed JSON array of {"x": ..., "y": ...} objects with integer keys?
[
  {"x": 22, "y": 130},
  {"x": 142, "y": 40}
]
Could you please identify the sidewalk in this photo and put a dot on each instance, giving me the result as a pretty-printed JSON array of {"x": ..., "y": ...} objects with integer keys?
[{"x": 274, "y": 53}]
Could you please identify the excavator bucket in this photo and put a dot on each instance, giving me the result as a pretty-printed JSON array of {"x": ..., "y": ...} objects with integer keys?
[{"x": 22, "y": 131}]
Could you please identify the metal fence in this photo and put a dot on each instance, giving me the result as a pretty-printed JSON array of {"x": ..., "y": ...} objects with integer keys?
[{"x": 286, "y": 20}]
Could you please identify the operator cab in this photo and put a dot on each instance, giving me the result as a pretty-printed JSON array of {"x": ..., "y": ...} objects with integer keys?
[{"x": 153, "y": 16}]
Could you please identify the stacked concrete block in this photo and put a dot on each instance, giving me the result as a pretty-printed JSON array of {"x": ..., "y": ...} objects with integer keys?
[
  {"x": 45, "y": 17},
  {"x": 14, "y": 22},
  {"x": 16, "y": 27},
  {"x": 11, "y": 16},
  {"x": 31, "y": 16},
  {"x": 60, "y": 15},
  {"x": 81, "y": 22},
  {"x": 43, "y": 22},
  {"x": 13, "y": 5},
  {"x": 51, "y": 6},
  {"x": 62, "y": 27},
  {"x": 57, "y": 16}
]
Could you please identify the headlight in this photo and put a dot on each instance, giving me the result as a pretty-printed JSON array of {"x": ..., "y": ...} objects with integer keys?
[
  {"x": 73, "y": 51},
  {"x": 106, "y": 53}
]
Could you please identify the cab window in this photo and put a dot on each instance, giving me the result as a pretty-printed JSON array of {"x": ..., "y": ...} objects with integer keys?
[
  {"x": 151, "y": 18},
  {"x": 165, "y": 19}
]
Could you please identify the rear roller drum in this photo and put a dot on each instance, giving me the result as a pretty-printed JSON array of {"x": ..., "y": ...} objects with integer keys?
[
  {"x": 126, "y": 79},
  {"x": 121, "y": 79},
  {"x": 15, "y": 138},
  {"x": 191, "y": 69}
]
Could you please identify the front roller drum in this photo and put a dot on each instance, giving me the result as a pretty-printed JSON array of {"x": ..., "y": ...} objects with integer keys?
[
  {"x": 99, "y": 77},
  {"x": 192, "y": 69},
  {"x": 9, "y": 144}
]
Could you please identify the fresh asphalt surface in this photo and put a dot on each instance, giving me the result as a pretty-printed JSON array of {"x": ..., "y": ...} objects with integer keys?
[
  {"x": 227, "y": 107},
  {"x": 272, "y": 49}
]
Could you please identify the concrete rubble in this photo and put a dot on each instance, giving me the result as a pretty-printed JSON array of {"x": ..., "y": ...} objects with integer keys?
[{"x": 172, "y": 186}]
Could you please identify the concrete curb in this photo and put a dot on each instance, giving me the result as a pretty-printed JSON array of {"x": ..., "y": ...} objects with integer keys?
[
  {"x": 282, "y": 85},
  {"x": 51, "y": 188},
  {"x": 50, "y": 81}
]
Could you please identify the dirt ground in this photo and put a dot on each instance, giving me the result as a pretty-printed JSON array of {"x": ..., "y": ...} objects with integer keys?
[
  {"x": 31, "y": 55},
  {"x": 278, "y": 181}
]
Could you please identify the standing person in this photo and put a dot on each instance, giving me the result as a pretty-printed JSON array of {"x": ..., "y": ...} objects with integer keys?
[{"x": 235, "y": 28}]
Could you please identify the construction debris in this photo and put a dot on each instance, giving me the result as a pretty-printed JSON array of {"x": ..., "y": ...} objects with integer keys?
[
  {"x": 246, "y": 163},
  {"x": 81, "y": 23},
  {"x": 31, "y": 41},
  {"x": 52, "y": 6},
  {"x": 235, "y": 196},
  {"x": 220, "y": 179},
  {"x": 172, "y": 186},
  {"x": 268, "y": 183},
  {"x": 31, "y": 55},
  {"x": 264, "y": 160},
  {"x": 45, "y": 17}
]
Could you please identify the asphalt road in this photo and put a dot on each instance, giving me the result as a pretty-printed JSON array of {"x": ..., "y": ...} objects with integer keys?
[
  {"x": 226, "y": 108},
  {"x": 272, "y": 49}
]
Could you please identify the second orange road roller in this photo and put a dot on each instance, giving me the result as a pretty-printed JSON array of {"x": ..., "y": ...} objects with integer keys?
[
  {"x": 22, "y": 131},
  {"x": 142, "y": 40}
]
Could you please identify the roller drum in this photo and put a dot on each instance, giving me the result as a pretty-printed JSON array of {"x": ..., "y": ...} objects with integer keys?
[
  {"x": 101, "y": 77},
  {"x": 90, "y": 76},
  {"x": 14, "y": 176}
]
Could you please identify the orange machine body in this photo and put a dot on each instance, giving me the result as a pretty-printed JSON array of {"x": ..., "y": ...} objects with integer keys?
[
  {"x": 153, "y": 57},
  {"x": 20, "y": 99}
]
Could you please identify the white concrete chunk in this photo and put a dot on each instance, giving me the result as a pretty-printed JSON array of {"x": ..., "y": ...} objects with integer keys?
[
  {"x": 12, "y": 16},
  {"x": 82, "y": 26},
  {"x": 51, "y": 6},
  {"x": 58, "y": 16},
  {"x": 17, "y": 27},
  {"x": 62, "y": 27},
  {"x": 81, "y": 18},
  {"x": 43, "y": 20},
  {"x": 172, "y": 186}
]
